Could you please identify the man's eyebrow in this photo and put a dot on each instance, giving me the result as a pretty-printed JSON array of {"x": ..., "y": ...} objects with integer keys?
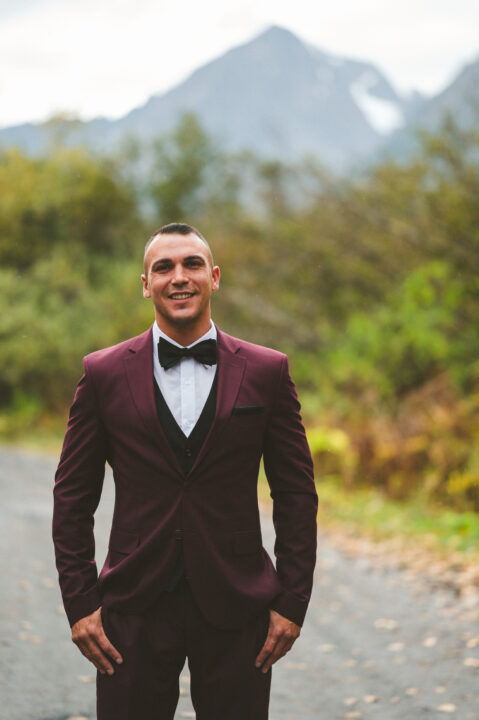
[{"x": 160, "y": 261}]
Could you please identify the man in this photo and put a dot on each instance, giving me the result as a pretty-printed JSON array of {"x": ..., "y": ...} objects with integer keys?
[{"x": 183, "y": 414}]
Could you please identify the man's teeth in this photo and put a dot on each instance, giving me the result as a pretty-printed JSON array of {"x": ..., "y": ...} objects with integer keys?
[{"x": 181, "y": 296}]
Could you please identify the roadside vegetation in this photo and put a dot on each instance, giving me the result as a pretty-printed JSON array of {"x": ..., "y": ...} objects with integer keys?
[{"x": 370, "y": 284}]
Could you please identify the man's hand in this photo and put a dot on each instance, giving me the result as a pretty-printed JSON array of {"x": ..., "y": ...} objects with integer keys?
[
  {"x": 281, "y": 635},
  {"x": 90, "y": 637}
]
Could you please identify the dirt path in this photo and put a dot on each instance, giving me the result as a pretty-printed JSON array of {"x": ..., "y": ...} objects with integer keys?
[{"x": 378, "y": 643}]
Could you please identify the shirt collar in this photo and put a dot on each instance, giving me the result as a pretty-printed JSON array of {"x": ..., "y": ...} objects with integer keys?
[{"x": 211, "y": 334}]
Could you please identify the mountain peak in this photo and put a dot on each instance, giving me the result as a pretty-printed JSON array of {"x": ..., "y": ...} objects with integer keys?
[
  {"x": 275, "y": 95},
  {"x": 277, "y": 36},
  {"x": 277, "y": 31}
]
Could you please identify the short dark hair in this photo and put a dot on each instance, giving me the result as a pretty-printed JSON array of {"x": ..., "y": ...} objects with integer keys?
[{"x": 176, "y": 228}]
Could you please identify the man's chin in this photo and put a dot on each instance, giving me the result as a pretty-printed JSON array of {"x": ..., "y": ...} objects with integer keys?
[{"x": 182, "y": 320}]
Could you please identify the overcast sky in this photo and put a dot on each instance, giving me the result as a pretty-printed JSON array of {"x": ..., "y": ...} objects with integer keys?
[{"x": 104, "y": 57}]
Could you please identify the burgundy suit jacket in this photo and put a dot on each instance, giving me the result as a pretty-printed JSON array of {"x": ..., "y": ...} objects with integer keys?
[{"x": 213, "y": 509}]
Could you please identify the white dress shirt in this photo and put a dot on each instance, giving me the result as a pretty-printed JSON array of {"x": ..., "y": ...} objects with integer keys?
[{"x": 185, "y": 386}]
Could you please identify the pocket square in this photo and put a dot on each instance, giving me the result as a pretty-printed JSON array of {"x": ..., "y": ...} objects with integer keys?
[{"x": 248, "y": 409}]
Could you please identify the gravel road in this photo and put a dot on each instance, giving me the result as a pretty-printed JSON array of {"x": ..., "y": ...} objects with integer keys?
[{"x": 377, "y": 643}]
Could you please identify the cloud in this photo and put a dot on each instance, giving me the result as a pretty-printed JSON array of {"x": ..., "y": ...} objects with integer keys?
[
  {"x": 107, "y": 57},
  {"x": 10, "y": 9}
]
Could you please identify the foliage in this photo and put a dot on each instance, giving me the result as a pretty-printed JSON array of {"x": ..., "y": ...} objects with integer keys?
[
  {"x": 188, "y": 174},
  {"x": 427, "y": 448},
  {"x": 407, "y": 339},
  {"x": 370, "y": 284},
  {"x": 68, "y": 200}
]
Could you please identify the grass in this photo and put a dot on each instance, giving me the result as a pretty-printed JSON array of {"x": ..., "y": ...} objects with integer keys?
[
  {"x": 368, "y": 513},
  {"x": 47, "y": 442},
  {"x": 35, "y": 433}
]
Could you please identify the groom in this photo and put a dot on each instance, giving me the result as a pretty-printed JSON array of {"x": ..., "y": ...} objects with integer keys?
[{"x": 184, "y": 413}]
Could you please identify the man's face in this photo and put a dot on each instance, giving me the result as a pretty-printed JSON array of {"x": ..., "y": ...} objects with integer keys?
[{"x": 179, "y": 280}]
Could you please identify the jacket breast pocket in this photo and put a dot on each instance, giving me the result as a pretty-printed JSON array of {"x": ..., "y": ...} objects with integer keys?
[
  {"x": 121, "y": 544},
  {"x": 248, "y": 410}
]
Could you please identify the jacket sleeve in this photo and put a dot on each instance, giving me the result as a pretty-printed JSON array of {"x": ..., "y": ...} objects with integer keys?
[
  {"x": 289, "y": 471},
  {"x": 77, "y": 491}
]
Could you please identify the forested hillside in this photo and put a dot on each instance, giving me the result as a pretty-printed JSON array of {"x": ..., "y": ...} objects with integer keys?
[{"x": 370, "y": 285}]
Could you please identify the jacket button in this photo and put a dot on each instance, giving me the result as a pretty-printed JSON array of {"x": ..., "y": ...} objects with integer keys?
[
  {"x": 178, "y": 534},
  {"x": 188, "y": 452}
]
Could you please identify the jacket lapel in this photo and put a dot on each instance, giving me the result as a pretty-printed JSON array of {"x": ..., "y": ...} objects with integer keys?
[
  {"x": 140, "y": 376},
  {"x": 230, "y": 374}
]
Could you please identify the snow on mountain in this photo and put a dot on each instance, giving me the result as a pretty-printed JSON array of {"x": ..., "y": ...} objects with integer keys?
[{"x": 384, "y": 115}]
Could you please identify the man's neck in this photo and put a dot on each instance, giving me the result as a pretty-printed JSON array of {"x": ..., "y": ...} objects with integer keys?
[{"x": 184, "y": 336}]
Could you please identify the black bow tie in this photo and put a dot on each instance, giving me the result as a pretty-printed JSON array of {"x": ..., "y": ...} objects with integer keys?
[{"x": 204, "y": 352}]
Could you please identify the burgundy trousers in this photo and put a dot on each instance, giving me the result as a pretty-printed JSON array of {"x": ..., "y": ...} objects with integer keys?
[{"x": 225, "y": 684}]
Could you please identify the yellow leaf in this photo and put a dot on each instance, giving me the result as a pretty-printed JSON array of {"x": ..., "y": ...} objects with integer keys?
[
  {"x": 386, "y": 624},
  {"x": 395, "y": 646},
  {"x": 86, "y": 678}
]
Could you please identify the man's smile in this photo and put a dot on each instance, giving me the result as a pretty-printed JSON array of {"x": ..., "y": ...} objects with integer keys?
[{"x": 181, "y": 295}]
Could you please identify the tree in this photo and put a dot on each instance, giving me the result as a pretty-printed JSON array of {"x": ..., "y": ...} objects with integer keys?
[
  {"x": 180, "y": 163},
  {"x": 67, "y": 199}
]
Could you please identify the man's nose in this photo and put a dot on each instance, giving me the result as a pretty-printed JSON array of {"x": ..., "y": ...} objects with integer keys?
[{"x": 179, "y": 275}]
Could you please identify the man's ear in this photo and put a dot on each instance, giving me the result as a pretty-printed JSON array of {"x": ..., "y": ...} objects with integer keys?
[
  {"x": 146, "y": 289},
  {"x": 216, "y": 278}
]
